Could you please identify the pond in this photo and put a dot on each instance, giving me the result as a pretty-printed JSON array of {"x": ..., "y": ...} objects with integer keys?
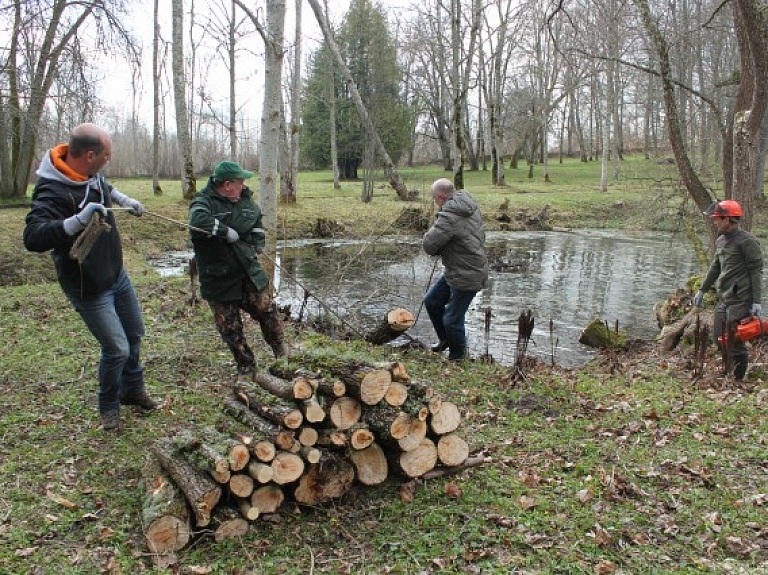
[{"x": 568, "y": 278}]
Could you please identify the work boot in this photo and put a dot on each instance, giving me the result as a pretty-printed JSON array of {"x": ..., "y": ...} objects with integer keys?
[
  {"x": 110, "y": 420},
  {"x": 141, "y": 400},
  {"x": 740, "y": 363},
  {"x": 439, "y": 347}
]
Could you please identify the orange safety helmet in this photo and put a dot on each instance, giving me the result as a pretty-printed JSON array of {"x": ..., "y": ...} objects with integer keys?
[{"x": 724, "y": 209}]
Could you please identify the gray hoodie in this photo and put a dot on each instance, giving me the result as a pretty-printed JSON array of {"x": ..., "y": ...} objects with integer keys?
[{"x": 458, "y": 237}]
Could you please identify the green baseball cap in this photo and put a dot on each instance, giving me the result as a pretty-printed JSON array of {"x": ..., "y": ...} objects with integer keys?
[{"x": 230, "y": 171}]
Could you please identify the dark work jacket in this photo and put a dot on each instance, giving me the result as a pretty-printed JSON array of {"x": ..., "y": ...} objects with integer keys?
[
  {"x": 737, "y": 270},
  {"x": 224, "y": 266},
  {"x": 56, "y": 198}
]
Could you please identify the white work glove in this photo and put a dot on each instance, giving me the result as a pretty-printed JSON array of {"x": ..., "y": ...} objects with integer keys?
[
  {"x": 137, "y": 208},
  {"x": 232, "y": 235},
  {"x": 77, "y": 223},
  {"x": 698, "y": 299},
  {"x": 756, "y": 309}
]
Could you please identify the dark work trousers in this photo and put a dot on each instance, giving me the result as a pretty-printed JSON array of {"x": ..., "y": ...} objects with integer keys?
[
  {"x": 735, "y": 355},
  {"x": 260, "y": 306}
]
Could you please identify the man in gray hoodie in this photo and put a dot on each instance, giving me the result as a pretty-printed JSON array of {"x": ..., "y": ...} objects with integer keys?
[
  {"x": 458, "y": 237},
  {"x": 70, "y": 190}
]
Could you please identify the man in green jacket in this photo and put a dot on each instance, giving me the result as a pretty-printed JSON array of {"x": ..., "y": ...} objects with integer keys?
[
  {"x": 226, "y": 235},
  {"x": 736, "y": 273}
]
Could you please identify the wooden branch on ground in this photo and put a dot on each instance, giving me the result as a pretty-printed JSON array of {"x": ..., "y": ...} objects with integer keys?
[{"x": 201, "y": 491}]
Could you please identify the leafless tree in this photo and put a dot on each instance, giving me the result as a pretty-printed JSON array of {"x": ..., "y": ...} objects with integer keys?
[
  {"x": 188, "y": 179},
  {"x": 43, "y": 45},
  {"x": 389, "y": 166},
  {"x": 271, "y": 118},
  {"x": 156, "y": 76}
]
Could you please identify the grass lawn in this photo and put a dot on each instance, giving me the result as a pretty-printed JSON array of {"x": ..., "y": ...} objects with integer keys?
[{"x": 625, "y": 465}]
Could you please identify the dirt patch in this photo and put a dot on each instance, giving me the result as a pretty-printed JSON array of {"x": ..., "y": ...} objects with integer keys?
[
  {"x": 25, "y": 268},
  {"x": 530, "y": 403}
]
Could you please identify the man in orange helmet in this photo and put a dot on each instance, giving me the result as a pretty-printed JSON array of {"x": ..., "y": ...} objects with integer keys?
[{"x": 736, "y": 273}]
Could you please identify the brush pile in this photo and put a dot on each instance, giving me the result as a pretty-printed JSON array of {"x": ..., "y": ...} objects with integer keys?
[{"x": 303, "y": 434}]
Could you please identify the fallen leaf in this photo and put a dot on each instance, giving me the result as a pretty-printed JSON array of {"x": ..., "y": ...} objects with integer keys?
[
  {"x": 525, "y": 502},
  {"x": 200, "y": 569},
  {"x": 453, "y": 491},
  {"x": 61, "y": 501},
  {"x": 606, "y": 567},
  {"x": 584, "y": 496},
  {"x": 408, "y": 491},
  {"x": 26, "y": 552}
]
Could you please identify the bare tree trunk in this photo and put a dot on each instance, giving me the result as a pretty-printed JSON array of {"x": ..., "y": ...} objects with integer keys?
[
  {"x": 156, "y": 101},
  {"x": 293, "y": 170},
  {"x": 389, "y": 167},
  {"x": 751, "y": 99},
  {"x": 270, "y": 124},
  {"x": 23, "y": 122},
  {"x": 232, "y": 125},
  {"x": 691, "y": 180},
  {"x": 188, "y": 182}
]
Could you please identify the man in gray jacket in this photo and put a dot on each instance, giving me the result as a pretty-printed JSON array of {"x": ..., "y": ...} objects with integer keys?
[{"x": 458, "y": 237}]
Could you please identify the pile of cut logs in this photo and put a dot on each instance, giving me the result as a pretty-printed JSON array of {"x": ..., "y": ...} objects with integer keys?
[{"x": 296, "y": 435}]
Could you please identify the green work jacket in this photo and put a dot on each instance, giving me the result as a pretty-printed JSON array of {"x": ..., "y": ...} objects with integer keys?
[
  {"x": 737, "y": 270},
  {"x": 223, "y": 266}
]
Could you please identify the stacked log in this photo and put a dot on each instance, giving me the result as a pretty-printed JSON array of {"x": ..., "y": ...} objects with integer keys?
[{"x": 297, "y": 435}]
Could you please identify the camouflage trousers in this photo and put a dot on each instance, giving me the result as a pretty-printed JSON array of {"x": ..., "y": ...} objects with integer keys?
[{"x": 260, "y": 306}]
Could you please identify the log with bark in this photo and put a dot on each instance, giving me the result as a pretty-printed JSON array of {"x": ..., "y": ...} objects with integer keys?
[
  {"x": 84, "y": 242},
  {"x": 452, "y": 449},
  {"x": 260, "y": 471},
  {"x": 228, "y": 523},
  {"x": 367, "y": 384},
  {"x": 241, "y": 485},
  {"x": 268, "y": 498},
  {"x": 287, "y": 467},
  {"x": 416, "y": 462},
  {"x": 269, "y": 406},
  {"x": 446, "y": 419},
  {"x": 371, "y": 466},
  {"x": 201, "y": 491},
  {"x": 345, "y": 412},
  {"x": 262, "y": 428},
  {"x": 387, "y": 422},
  {"x": 203, "y": 455},
  {"x": 394, "y": 324},
  {"x": 329, "y": 479},
  {"x": 165, "y": 517}
]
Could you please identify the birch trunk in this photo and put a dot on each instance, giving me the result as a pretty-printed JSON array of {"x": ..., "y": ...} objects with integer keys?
[{"x": 188, "y": 182}]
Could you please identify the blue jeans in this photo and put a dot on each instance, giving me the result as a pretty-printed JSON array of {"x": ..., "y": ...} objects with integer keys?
[
  {"x": 447, "y": 307},
  {"x": 114, "y": 319}
]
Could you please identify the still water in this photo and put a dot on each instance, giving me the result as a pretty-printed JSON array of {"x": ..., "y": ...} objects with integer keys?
[{"x": 569, "y": 278}]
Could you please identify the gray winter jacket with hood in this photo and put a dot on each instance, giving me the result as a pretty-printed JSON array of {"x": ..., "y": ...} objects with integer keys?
[{"x": 458, "y": 237}]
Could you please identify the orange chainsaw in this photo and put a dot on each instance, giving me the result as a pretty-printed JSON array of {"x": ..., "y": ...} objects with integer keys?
[{"x": 749, "y": 328}]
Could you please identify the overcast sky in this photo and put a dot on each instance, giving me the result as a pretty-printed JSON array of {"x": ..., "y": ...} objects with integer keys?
[{"x": 250, "y": 68}]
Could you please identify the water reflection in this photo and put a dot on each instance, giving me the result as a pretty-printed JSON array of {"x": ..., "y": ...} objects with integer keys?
[{"x": 569, "y": 278}]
